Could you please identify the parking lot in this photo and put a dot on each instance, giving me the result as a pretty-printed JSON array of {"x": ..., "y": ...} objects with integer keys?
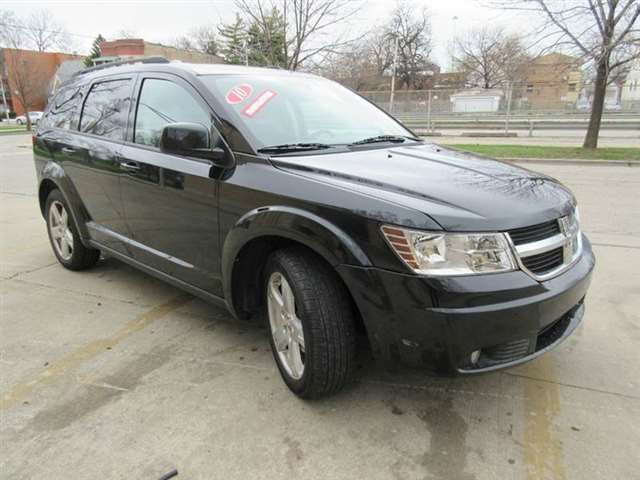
[{"x": 110, "y": 374}]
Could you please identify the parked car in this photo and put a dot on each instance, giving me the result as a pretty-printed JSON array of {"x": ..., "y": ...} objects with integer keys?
[
  {"x": 34, "y": 116},
  {"x": 292, "y": 200}
]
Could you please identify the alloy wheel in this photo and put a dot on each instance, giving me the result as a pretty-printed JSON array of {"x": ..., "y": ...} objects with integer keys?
[
  {"x": 61, "y": 235},
  {"x": 286, "y": 327}
]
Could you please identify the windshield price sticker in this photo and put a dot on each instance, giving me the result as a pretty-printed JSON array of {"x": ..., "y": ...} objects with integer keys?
[
  {"x": 257, "y": 105},
  {"x": 239, "y": 94}
]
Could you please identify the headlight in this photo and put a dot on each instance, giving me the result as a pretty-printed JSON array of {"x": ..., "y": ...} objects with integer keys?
[{"x": 439, "y": 253}]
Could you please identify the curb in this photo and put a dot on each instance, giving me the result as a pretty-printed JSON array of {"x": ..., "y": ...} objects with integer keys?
[
  {"x": 576, "y": 161},
  {"x": 13, "y": 132}
]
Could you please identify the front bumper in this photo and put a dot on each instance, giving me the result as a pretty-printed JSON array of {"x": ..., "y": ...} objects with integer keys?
[{"x": 437, "y": 323}]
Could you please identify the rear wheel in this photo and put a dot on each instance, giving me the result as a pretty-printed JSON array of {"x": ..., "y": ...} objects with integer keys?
[
  {"x": 64, "y": 237},
  {"x": 311, "y": 323}
]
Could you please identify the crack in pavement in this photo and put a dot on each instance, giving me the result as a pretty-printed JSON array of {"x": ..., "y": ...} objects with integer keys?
[{"x": 570, "y": 385}]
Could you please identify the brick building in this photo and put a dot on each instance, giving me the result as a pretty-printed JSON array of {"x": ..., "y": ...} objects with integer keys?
[
  {"x": 28, "y": 73},
  {"x": 551, "y": 81},
  {"x": 136, "y": 47}
]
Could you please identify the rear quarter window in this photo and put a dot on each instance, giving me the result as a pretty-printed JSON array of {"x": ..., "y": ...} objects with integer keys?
[
  {"x": 106, "y": 109},
  {"x": 63, "y": 111}
]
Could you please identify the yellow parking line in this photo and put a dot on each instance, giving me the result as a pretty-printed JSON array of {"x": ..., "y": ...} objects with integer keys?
[
  {"x": 542, "y": 449},
  {"x": 87, "y": 352}
]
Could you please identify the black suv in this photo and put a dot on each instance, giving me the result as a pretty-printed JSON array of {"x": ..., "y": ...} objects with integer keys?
[{"x": 286, "y": 196}]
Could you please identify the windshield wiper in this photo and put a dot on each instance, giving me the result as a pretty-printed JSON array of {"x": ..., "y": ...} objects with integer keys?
[
  {"x": 294, "y": 147},
  {"x": 384, "y": 138}
]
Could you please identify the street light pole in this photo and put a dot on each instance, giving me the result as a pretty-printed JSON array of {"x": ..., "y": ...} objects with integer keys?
[{"x": 393, "y": 76}]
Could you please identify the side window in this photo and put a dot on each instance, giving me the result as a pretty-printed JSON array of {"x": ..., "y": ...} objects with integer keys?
[
  {"x": 106, "y": 108},
  {"x": 162, "y": 102},
  {"x": 63, "y": 111}
]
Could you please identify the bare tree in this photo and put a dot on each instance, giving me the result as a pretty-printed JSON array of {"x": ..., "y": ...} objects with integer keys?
[
  {"x": 24, "y": 73},
  {"x": 380, "y": 48},
  {"x": 304, "y": 23},
  {"x": 413, "y": 31},
  {"x": 39, "y": 31},
  {"x": 490, "y": 57},
  {"x": 126, "y": 33},
  {"x": 201, "y": 39},
  {"x": 353, "y": 67},
  {"x": 604, "y": 33},
  {"x": 44, "y": 32}
]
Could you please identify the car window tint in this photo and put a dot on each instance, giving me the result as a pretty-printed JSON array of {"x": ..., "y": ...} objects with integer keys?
[
  {"x": 106, "y": 108},
  {"x": 162, "y": 102},
  {"x": 63, "y": 110}
]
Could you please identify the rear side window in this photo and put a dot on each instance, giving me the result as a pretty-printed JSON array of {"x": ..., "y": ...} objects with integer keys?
[
  {"x": 162, "y": 102},
  {"x": 106, "y": 108},
  {"x": 64, "y": 109}
]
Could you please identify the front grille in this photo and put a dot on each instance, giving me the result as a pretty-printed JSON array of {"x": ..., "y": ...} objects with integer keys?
[
  {"x": 544, "y": 262},
  {"x": 520, "y": 236}
]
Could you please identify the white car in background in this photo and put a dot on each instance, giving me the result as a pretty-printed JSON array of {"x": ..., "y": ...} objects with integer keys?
[{"x": 34, "y": 116}]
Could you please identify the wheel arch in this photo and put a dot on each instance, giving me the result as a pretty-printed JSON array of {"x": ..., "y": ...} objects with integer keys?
[
  {"x": 54, "y": 178},
  {"x": 262, "y": 231}
]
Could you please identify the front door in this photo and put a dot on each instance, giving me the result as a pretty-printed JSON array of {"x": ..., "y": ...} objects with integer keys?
[{"x": 170, "y": 202}]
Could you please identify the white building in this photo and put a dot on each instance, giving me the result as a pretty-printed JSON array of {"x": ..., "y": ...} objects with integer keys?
[
  {"x": 476, "y": 100},
  {"x": 630, "y": 95}
]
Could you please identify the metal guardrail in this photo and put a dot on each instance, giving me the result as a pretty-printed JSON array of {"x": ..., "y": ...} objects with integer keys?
[{"x": 423, "y": 122}]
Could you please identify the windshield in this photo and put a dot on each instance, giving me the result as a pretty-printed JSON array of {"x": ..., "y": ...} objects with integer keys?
[{"x": 292, "y": 109}]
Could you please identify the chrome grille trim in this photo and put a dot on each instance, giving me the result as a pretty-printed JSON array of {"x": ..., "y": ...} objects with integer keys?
[{"x": 569, "y": 234}]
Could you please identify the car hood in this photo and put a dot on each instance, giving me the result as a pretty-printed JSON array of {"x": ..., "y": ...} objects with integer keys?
[{"x": 459, "y": 191}]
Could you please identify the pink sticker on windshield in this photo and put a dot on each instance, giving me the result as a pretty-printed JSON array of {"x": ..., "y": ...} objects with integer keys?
[
  {"x": 255, "y": 106},
  {"x": 239, "y": 94}
]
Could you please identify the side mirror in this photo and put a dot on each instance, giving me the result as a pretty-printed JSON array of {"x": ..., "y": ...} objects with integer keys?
[{"x": 193, "y": 140}]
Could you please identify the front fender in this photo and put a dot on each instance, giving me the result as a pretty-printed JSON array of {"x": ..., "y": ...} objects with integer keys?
[{"x": 304, "y": 227}]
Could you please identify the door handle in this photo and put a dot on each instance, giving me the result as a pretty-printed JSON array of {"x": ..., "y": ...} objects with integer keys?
[
  {"x": 68, "y": 150},
  {"x": 130, "y": 166}
]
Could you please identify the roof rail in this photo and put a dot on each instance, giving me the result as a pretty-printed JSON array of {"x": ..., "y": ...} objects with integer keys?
[{"x": 130, "y": 61}]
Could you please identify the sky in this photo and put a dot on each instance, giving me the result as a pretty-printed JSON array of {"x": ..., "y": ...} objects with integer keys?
[{"x": 162, "y": 21}]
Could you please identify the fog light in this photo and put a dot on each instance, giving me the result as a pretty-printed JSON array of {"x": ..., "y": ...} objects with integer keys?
[{"x": 475, "y": 356}]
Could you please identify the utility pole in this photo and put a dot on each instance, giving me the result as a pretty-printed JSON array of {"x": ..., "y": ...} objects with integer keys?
[{"x": 393, "y": 75}]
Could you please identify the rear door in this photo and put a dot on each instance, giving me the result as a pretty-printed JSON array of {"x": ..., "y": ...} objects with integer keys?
[
  {"x": 169, "y": 201},
  {"x": 91, "y": 157}
]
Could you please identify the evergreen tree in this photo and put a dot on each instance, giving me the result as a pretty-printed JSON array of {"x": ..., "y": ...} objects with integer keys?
[
  {"x": 232, "y": 43},
  {"x": 266, "y": 42},
  {"x": 95, "y": 51}
]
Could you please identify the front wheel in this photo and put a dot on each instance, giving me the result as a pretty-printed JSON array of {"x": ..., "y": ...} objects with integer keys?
[
  {"x": 19, "y": 122},
  {"x": 311, "y": 323},
  {"x": 64, "y": 237}
]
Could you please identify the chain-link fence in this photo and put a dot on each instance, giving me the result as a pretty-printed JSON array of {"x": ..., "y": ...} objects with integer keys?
[{"x": 518, "y": 107}]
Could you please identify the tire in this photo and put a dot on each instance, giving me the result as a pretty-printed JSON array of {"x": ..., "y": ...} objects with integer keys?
[
  {"x": 324, "y": 313},
  {"x": 63, "y": 235},
  {"x": 19, "y": 122}
]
